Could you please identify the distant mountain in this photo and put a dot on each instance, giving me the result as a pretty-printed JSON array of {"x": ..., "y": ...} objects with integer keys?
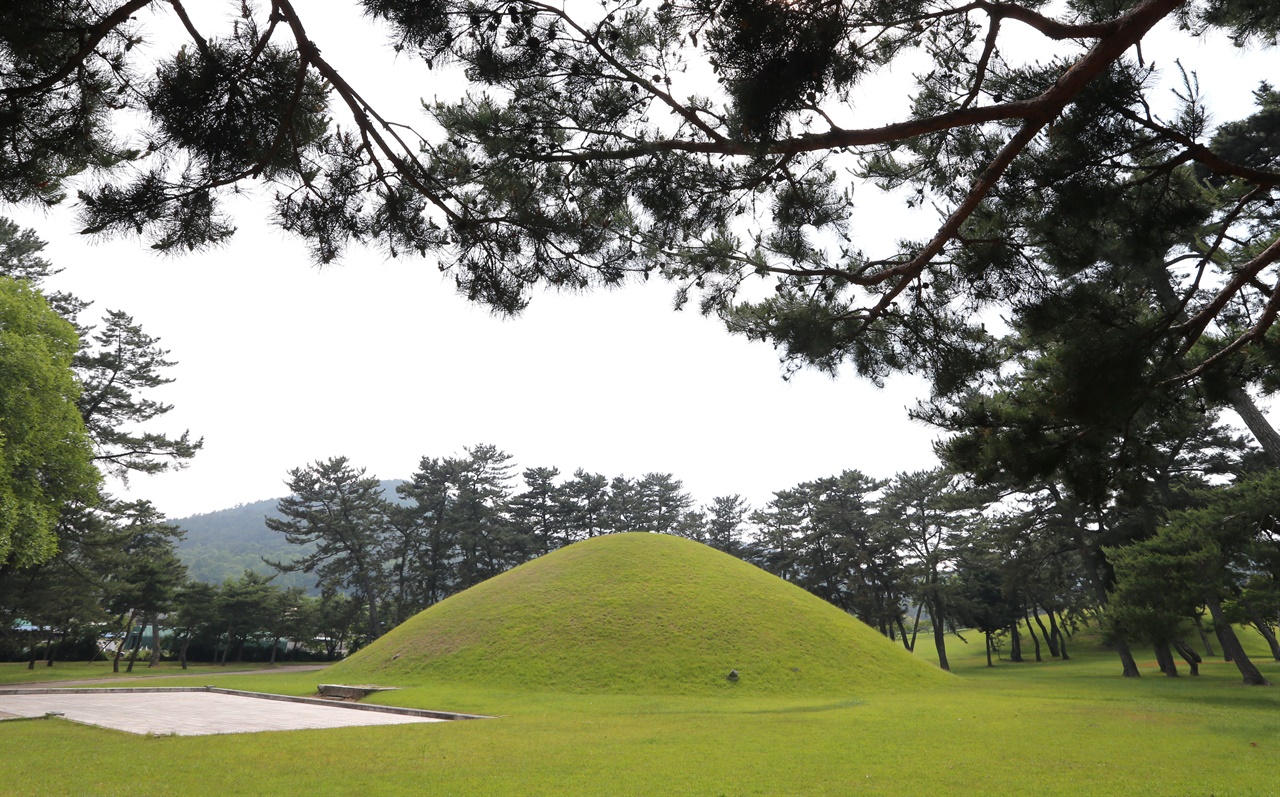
[{"x": 223, "y": 544}]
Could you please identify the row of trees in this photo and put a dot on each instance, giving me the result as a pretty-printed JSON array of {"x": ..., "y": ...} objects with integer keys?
[
  {"x": 74, "y": 558},
  {"x": 459, "y": 520},
  {"x": 927, "y": 545}
]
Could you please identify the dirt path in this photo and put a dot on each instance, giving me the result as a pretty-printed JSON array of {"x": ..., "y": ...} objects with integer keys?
[{"x": 204, "y": 673}]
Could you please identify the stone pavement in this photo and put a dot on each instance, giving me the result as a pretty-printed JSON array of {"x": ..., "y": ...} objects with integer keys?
[{"x": 192, "y": 713}]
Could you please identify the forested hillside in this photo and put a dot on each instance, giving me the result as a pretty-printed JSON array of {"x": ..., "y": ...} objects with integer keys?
[{"x": 223, "y": 544}]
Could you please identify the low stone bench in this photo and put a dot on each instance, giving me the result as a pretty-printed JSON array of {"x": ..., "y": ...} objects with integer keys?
[{"x": 350, "y": 692}]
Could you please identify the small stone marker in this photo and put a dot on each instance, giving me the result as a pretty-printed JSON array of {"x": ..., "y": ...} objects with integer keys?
[{"x": 732, "y": 676}]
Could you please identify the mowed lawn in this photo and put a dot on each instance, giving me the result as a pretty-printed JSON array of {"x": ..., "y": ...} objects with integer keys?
[{"x": 1054, "y": 728}]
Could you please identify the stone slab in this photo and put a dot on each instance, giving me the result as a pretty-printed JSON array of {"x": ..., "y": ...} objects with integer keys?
[{"x": 193, "y": 713}]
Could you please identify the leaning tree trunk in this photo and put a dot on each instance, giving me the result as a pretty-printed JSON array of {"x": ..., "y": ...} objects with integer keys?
[
  {"x": 1164, "y": 657},
  {"x": 1241, "y": 401},
  {"x": 1258, "y": 424},
  {"x": 1048, "y": 638},
  {"x": 115, "y": 661},
  {"x": 1204, "y": 638},
  {"x": 1188, "y": 655},
  {"x": 137, "y": 644},
  {"x": 1263, "y": 628},
  {"x": 940, "y": 632},
  {"x": 1035, "y": 640},
  {"x": 915, "y": 627},
  {"x": 1058, "y": 636},
  {"x": 1231, "y": 645},
  {"x": 987, "y": 634},
  {"x": 1128, "y": 665},
  {"x": 1015, "y": 643}
]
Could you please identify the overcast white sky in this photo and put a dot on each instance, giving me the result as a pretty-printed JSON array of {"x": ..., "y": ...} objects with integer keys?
[{"x": 281, "y": 364}]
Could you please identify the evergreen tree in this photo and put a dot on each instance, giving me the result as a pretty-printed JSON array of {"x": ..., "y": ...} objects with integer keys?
[{"x": 340, "y": 511}]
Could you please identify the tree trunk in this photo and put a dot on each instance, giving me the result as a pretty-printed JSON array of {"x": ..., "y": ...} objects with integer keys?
[
  {"x": 1034, "y": 639},
  {"x": 137, "y": 644},
  {"x": 987, "y": 634},
  {"x": 940, "y": 633},
  {"x": 1241, "y": 401},
  {"x": 1188, "y": 655},
  {"x": 155, "y": 644},
  {"x": 1204, "y": 638},
  {"x": 1048, "y": 639},
  {"x": 182, "y": 651},
  {"x": 35, "y": 645},
  {"x": 1231, "y": 645},
  {"x": 1164, "y": 657},
  {"x": 1126, "y": 656},
  {"x": 115, "y": 661},
  {"x": 1257, "y": 423},
  {"x": 1015, "y": 643},
  {"x": 52, "y": 651},
  {"x": 915, "y": 627},
  {"x": 227, "y": 649},
  {"x": 275, "y": 643},
  {"x": 1129, "y": 667},
  {"x": 1222, "y": 643},
  {"x": 1056, "y": 634},
  {"x": 1262, "y": 627}
]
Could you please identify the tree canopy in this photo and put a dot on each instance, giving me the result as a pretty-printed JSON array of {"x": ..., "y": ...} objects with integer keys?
[
  {"x": 45, "y": 452},
  {"x": 716, "y": 145}
]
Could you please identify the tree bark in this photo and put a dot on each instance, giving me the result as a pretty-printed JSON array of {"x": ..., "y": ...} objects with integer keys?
[
  {"x": 940, "y": 633},
  {"x": 155, "y": 644},
  {"x": 1057, "y": 635},
  {"x": 1231, "y": 645},
  {"x": 137, "y": 644},
  {"x": 1015, "y": 643},
  {"x": 1034, "y": 639},
  {"x": 1204, "y": 638},
  {"x": 115, "y": 661},
  {"x": 1257, "y": 423},
  {"x": 182, "y": 651},
  {"x": 1222, "y": 643},
  {"x": 1164, "y": 657},
  {"x": 1263, "y": 628},
  {"x": 1188, "y": 655},
  {"x": 1130, "y": 667},
  {"x": 1049, "y": 640},
  {"x": 987, "y": 634},
  {"x": 915, "y": 627}
]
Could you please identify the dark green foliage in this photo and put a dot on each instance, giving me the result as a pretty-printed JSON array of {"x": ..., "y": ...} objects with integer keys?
[
  {"x": 776, "y": 58},
  {"x": 579, "y": 159},
  {"x": 338, "y": 510}
]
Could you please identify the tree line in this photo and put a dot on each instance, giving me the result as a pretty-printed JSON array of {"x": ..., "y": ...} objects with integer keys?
[{"x": 1182, "y": 549}]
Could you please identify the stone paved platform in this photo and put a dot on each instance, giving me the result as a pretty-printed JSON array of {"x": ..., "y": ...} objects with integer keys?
[{"x": 192, "y": 713}]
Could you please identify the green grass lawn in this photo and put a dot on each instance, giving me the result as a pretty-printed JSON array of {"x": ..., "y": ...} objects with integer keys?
[
  {"x": 644, "y": 721},
  {"x": 1054, "y": 728},
  {"x": 16, "y": 673}
]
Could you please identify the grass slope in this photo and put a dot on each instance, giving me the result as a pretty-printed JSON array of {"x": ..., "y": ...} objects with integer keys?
[{"x": 639, "y": 614}]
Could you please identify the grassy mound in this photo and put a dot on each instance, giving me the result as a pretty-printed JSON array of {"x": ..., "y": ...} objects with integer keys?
[{"x": 639, "y": 614}]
